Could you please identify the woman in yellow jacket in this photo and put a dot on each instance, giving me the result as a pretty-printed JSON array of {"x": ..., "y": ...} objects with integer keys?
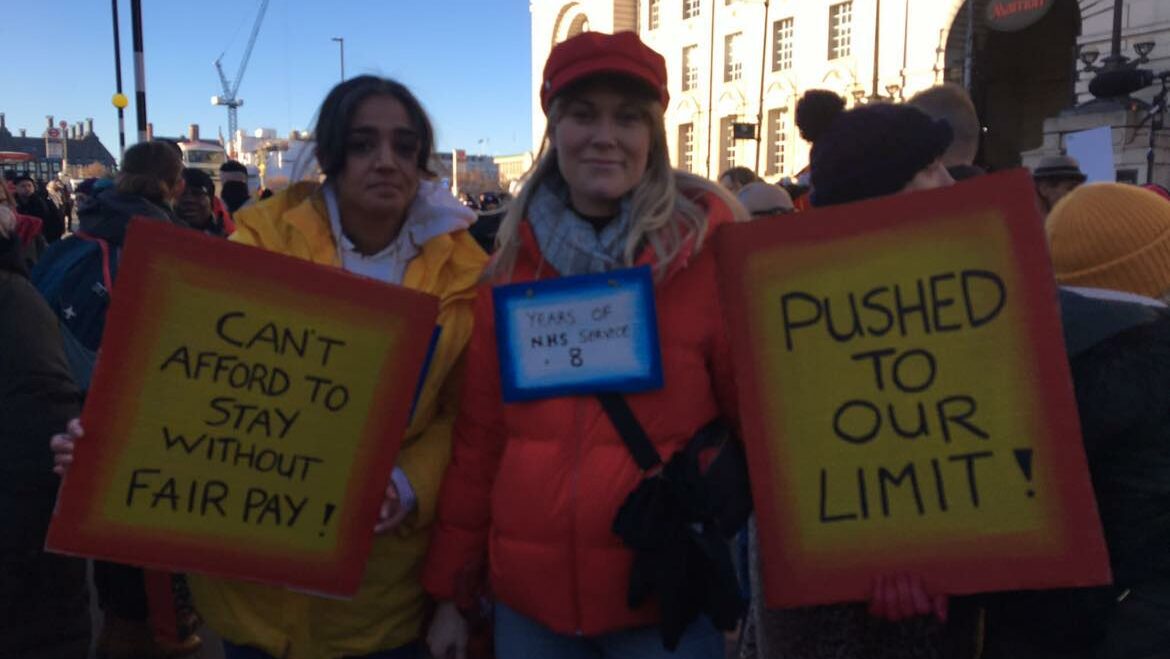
[{"x": 379, "y": 214}]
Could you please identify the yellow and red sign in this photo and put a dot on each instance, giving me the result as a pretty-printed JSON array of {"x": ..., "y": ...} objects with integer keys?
[
  {"x": 906, "y": 399},
  {"x": 244, "y": 416}
]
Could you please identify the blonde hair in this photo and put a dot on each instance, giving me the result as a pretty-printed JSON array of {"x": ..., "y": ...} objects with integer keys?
[
  {"x": 7, "y": 221},
  {"x": 664, "y": 215}
]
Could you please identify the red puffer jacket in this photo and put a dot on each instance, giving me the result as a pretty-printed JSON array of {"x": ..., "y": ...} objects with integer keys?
[{"x": 538, "y": 484}]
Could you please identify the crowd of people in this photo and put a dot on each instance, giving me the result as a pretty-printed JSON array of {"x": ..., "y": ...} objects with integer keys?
[{"x": 496, "y": 535}]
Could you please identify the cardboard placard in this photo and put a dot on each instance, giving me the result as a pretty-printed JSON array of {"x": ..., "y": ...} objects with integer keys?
[
  {"x": 906, "y": 399},
  {"x": 245, "y": 414}
]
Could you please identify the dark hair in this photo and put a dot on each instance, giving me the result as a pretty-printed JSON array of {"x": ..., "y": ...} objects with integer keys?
[
  {"x": 151, "y": 170},
  {"x": 336, "y": 115},
  {"x": 816, "y": 111},
  {"x": 233, "y": 166},
  {"x": 741, "y": 175},
  {"x": 171, "y": 143},
  {"x": 197, "y": 179}
]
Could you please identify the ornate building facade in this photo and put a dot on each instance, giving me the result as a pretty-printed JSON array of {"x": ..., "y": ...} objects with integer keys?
[{"x": 737, "y": 67}]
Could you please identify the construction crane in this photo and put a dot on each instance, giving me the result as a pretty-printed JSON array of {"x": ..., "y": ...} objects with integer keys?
[{"x": 229, "y": 97}]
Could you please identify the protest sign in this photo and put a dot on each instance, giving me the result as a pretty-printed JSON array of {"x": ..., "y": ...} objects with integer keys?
[
  {"x": 905, "y": 397},
  {"x": 1093, "y": 149},
  {"x": 580, "y": 334},
  {"x": 245, "y": 414}
]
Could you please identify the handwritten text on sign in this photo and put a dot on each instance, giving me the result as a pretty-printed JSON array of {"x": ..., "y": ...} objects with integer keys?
[
  {"x": 249, "y": 424},
  {"x": 898, "y": 396},
  {"x": 905, "y": 397},
  {"x": 245, "y": 414},
  {"x": 578, "y": 334}
]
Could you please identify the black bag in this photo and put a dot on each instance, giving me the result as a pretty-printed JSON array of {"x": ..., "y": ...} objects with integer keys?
[{"x": 678, "y": 522}]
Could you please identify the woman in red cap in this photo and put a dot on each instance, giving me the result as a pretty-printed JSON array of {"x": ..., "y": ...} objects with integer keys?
[{"x": 536, "y": 485}]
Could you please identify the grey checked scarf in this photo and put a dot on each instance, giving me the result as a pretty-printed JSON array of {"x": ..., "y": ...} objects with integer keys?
[{"x": 568, "y": 242}]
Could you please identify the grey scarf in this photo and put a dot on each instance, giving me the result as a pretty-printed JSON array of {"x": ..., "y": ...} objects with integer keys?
[{"x": 569, "y": 243}]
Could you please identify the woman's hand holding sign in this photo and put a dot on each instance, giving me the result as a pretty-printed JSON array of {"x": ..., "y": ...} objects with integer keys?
[
  {"x": 62, "y": 446},
  {"x": 898, "y": 597},
  {"x": 392, "y": 511}
]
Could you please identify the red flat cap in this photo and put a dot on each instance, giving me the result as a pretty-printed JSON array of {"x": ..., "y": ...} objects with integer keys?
[{"x": 592, "y": 53}]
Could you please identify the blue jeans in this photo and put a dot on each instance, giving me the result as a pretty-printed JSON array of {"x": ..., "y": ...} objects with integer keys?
[
  {"x": 233, "y": 651},
  {"x": 520, "y": 637}
]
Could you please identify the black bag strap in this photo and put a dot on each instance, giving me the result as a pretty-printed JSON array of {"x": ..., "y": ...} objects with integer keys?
[{"x": 622, "y": 417}]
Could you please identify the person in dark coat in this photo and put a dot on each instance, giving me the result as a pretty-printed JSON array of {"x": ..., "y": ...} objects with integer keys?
[
  {"x": 29, "y": 201},
  {"x": 44, "y": 601},
  {"x": 149, "y": 182},
  {"x": 1110, "y": 248},
  {"x": 196, "y": 206},
  {"x": 233, "y": 178},
  {"x": 853, "y": 159},
  {"x": 1120, "y": 357}
]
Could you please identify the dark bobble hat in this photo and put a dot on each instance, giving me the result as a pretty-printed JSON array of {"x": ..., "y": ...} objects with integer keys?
[{"x": 869, "y": 151}]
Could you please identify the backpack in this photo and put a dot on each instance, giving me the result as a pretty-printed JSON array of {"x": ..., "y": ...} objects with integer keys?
[{"x": 75, "y": 276}]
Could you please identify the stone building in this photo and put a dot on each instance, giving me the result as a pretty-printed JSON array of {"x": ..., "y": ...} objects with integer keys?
[
  {"x": 737, "y": 67},
  {"x": 64, "y": 147}
]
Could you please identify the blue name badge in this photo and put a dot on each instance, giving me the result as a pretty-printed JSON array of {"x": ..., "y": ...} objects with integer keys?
[{"x": 577, "y": 335}]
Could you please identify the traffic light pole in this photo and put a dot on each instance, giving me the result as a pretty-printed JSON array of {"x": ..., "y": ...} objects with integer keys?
[
  {"x": 118, "y": 79},
  {"x": 139, "y": 68}
]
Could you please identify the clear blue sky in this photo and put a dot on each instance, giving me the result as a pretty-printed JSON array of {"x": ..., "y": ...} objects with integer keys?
[{"x": 468, "y": 61}]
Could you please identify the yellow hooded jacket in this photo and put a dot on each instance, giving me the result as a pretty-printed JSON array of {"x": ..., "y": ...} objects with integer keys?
[{"x": 389, "y": 607}]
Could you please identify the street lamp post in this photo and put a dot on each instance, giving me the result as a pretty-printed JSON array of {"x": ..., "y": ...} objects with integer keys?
[
  {"x": 877, "y": 48},
  {"x": 1115, "y": 61},
  {"x": 763, "y": 69},
  {"x": 119, "y": 100},
  {"x": 341, "y": 43},
  {"x": 139, "y": 67}
]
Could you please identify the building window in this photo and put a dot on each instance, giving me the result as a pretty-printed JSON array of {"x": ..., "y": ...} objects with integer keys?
[
  {"x": 686, "y": 147},
  {"x": 652, "y": 19},
  {"x": 840, "y": 30},
  {"x": 691, "y": 8},
  {"x": 690, "y": 59},
  {"x": 732, "y": 59},
  {"x": 782, "y": 44},
  {"x": 726, "y": 143},
  {"x": 777, "y": 141}
]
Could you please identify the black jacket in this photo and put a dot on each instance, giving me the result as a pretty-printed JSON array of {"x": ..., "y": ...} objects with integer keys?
[
  {"x": 109, "y": 213},
  {"x": 44, "y": 608},
  {"x": 38, "y": 206},
  {"x": 1119, "y": 353},
  {"x": 37, "y": 398}
]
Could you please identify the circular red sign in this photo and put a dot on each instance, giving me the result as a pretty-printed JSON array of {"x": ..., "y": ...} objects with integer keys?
[{"x": 54, "y": 133}]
